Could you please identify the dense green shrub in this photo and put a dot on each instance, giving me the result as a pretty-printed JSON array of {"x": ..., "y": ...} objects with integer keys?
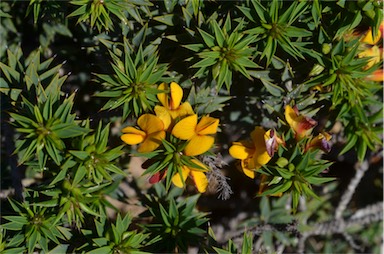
[{"x": 132, "y": 126}]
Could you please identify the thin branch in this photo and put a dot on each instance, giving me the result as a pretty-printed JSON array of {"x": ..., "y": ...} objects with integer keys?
[
  {"x": 347, "y": 196},
  {"x": 362, "y": 217}
]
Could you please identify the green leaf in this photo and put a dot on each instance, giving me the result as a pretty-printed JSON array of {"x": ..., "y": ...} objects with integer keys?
[
  {"x": 219, "y": 35},
  {"x": 208, "y": 39},
  {"x": 166, "y": 19}
]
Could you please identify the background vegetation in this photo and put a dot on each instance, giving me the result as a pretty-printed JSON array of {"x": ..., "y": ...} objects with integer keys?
[{"x": 288, "y": 92}]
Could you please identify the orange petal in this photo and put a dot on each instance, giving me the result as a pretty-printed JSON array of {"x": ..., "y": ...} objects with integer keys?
[
  {"x": 152, "y": 142},
  {"x": 179, "y": 180},
  {"x": 185, "y": 128},
  {"x": 163, "y": 97},
  {"x": 377, "y": 75},
  {"x": 198, "y": 145},
  {"x": 207, "y": 125},
  {"x": 150, "y": 123},
  {"x": 176, "y": 96},
  {"x": 200, "y": 180}
]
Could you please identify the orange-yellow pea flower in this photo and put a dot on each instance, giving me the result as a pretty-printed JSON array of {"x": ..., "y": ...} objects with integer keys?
[
  {"x": 321, "y": 141},
  {"x": 198, "y": 134},
  {"x": 377, "y": 75},
  {"x": 253, "y": 154},
  {"x": 301, "y": 125},
  {"x": 374, "y": 53},
  {"x": 149, "y": 135},
  {"x": 196, "y": 174},
  {"x": 172, "y": 102},
  {"x": 368, "y": 37}
]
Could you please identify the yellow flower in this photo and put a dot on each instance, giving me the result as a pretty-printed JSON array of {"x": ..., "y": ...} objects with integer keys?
[
  {"x": 321, "y": 141},
  {"x": 374, "y": 54},
  {"x": 172, "y": 102},
  {"x": 196, "y": 174},
  {"x": 150, "y": 134},
  {"x": 197, "y": 134},
  {"x": 301, "y": 125},
  {"x": 368, "y": 37},
  {"x": 253, "y": 154}
]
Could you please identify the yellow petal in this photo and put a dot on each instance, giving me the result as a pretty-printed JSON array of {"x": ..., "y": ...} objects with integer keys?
[
  {"x": 200, "y": 180},
  {"x": 163, "y": 114},
  {"x": 291, "y": 117},
  {"x": 198, "y": 145},
  {"x": 179, "y": 180},
  {"x": 207, "y": 125},
  {"x": 185, "y": 128},
  {"x": 150, "y": 123},
  {"x": 132, "y": 139},
  {"x": 240, "y": 150},
  {"x": 249, "y": 173},
  {"x": 163, "y": 97},
  {"x": 373, "y": 54},
  {"x": 152, "y": 142},
  {"x": 184, "y": 109},
  {"x": 176, "y": 96},
  {"x": 368, "y": 38},
  {"x": 260, "y": 156},
  {"x": 132, "y": 130}
]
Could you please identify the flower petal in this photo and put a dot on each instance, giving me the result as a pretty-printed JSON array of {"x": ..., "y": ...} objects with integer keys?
[
  {"x": 260, "y": 156},
  {"x": 291, "y": 117},
  {"x": 198, "y": 145},
  {"x": 241, "y": 150},
  {"x": 207, "y": 125},
  {"x": 184, "y": 109},
  {"x": 301, "y": 125},
  {"x": 368, "y": 38},
  {"x": 150, "y": 123},
  {"x": 163, "y": 97},
  {"x": 377, "y": 75},
  {"x": 176, "y": 96},
  {"x": 163, "y": 114},
  {"x": 157, "y": 177},
  {"x": 248, "y": 172},
  {"x": 185, "y": 128},
  {"x": 179, "y": 180},
  {"x": 132, "y": 135},
  {"x": 152, "y": 142},
  {"x": 200, "y": 180}
]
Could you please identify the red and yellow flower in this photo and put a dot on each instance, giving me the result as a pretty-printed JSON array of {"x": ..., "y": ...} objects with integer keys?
[{"x": 301, "y": 125}]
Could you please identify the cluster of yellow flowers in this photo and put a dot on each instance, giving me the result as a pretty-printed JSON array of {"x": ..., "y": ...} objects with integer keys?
[
  {"x": 374, "y": 49},
  {"x": 175, "y": 119},
  {"x": 260, "y": 149},
  {"x": 175, "y": 122}
]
